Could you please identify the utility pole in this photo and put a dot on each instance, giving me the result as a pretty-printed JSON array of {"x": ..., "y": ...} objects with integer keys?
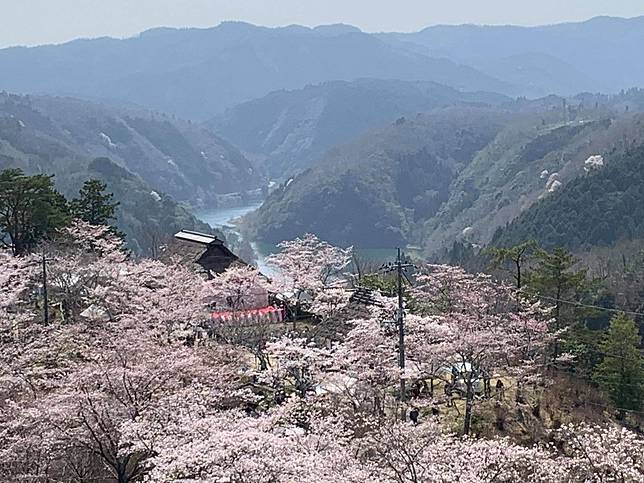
[
  {"x": 401, "y": 335},
  {"x": 400, "y": 268},
  {"x": 44, "y": 288}
]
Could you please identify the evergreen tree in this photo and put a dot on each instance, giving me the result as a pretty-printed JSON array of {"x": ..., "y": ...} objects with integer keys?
[
  {"x": 517, "y": 257},
  {"x": 621, "y": 373},
  {"x": 555, "y": 280},
  {"x": 94, "y": 205},
  {"x": 30, "y": 209}
]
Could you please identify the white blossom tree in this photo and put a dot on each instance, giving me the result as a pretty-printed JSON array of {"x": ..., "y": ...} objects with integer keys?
[{"x": 306, "y": 267}]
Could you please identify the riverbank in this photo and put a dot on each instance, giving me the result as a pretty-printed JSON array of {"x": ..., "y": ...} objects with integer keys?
[{"x": 226, "y": 220}]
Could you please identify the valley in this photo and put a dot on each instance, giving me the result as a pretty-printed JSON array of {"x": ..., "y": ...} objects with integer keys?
[{"x": 409, "y": 252}]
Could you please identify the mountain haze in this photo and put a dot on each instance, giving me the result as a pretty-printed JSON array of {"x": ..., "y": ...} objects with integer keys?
[
  {"x": 453, "y": 174},
  {"x": 67, "y": 138},
  {"x": 288, "y": 130},
  {"x": 180, "y": 158},
  {"x": 371, "y": 192},
  {"x": 197, "y": 73},
  {"x": 596, "y": 55}
]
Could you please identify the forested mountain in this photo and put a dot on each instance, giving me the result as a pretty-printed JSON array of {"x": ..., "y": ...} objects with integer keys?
[
  {"x": 567, "y": 58},
  {"x": 130, "y": 355},
  {"x": 454, "y": 174},
  {"x": 197, "y": 73},
  {"x": 70, "y": 139},
  {"x": 598, "y": 209},
  {"x": 372, "y": 191},
  {"x": 288, "y": 130},
  {"x": 180, "y": 158}
]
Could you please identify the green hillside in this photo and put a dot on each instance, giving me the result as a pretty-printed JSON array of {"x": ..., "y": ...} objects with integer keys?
[
  {"x": 38, "y": 144},
  {"x": 181, "y": 158},
  {"x": 373, "y": 191},
  {"x": 598, "y": 209},
  {"x": 456, "y": 174}
]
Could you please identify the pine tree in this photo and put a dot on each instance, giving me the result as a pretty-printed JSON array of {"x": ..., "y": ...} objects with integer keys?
[
  {"x": 621, "y": 373},
  {"x": 30, "y": 209},
  {"x": 517, "y": 256},
  {"x": 94, "y": 205},
  {"x": 555, "y": 280}
]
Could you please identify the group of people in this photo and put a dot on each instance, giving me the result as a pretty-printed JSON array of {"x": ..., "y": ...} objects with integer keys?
[{"x": 421, "y": 386}]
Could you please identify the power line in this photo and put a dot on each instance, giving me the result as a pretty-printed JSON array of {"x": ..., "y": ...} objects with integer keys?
[{"x": 590, "y": 306}]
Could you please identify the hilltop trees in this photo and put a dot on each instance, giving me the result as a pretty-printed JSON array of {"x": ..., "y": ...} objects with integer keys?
[
  {"x": 557, "y": 283},
  {"x": 30, "y": 209},
  {"x": 136, "y": 394},
  {"x": 518, "y": 256}
]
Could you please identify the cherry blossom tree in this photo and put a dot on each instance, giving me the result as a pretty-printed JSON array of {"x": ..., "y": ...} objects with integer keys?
[
  {"x": 127, "y": 391},
  {"x": 474, "y": 328},
  {"x": 96, "y": 239},
  {"x": 99, "y": 386},
  {"x": 17, "y": 276},
  {"x": 602, "y": 453},
  {"x": 233, "y": 292},
  {"x": 368, "y": 355},
  {"x": 290, "y": 443},
  {"x": 297, "y": 362},
  {"x": 306, "y": 266},
  {"x": 69, "y": 386},
  {"x": 422, "y": 454}
]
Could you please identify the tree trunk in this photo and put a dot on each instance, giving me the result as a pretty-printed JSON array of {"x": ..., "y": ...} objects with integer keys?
[
  {"x": 122, "y": 476},
  {"x": 555, "y": 354},
  {"x": 469, "y": 403}
]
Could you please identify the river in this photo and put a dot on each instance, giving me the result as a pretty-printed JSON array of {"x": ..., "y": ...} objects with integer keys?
[{"x": 224, "y": 219}]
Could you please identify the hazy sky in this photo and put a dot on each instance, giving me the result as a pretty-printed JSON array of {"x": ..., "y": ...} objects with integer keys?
[{"x": 30, "y": 22}]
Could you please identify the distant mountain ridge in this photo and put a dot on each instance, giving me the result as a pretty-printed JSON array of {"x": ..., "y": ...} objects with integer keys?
[
  {"x": 595, "y": 55},
  {"x": 197, "y": 73},
  {"x": 288, "y": 130}
]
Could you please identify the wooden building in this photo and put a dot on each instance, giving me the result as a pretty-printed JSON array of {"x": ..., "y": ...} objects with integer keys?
[
  {"x": 213, "y": 257},
  {"x": 207, "y": 251}
]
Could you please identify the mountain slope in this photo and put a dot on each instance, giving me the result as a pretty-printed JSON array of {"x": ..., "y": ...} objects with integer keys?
[
  {"x": 197, "y": 73},
  {"x": 454, "y": 174},
  {"x": 182, "y": 159},
  {"x": 37, "y": 144},
  {"x": 372, "y": 191},
  {"x": 288, "y": 130},
  {"x": 598, "y": 209}
]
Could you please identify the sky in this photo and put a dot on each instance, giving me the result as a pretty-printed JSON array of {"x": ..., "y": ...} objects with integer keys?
[{"x": 34, "y": 22}]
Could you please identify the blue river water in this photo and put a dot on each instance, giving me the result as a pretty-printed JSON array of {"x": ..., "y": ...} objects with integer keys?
[{"x": 225, "y": 218}]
